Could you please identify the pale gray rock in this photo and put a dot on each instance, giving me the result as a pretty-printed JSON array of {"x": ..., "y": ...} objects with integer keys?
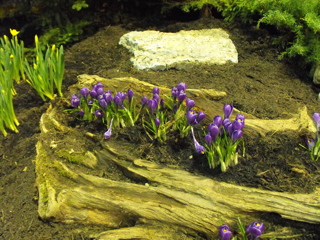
[{"x": 156, "y": 50}]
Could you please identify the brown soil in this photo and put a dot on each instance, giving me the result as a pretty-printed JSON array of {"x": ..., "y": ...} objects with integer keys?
[{"x": 259, "y": 84}]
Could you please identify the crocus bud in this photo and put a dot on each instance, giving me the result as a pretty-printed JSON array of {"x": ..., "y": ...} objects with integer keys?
[
  {"x": 199, "y": 148},
  {"x": 93, "y": 93},
  {"x": 99, "y": 90},
  {"x": 217, "y": 120},
  {"x": 103, "y": 103},
  {"x": 201, "y": 116},
  {"x": 236, "y": 135},
  {"x": 81, "y": 113},
  {"x": 182, "y": 86},
  {"x": 84, "y": 91},
  {"x": 90, "y": 103},
  {"x": 208, "y": 139},
  {"x": 174, "y": 93},
  {"x": 157, "y": 122},
  {"x": 130, "y": 95},
  {"x": 213, "y": 130},
  {"x": 227, "y": 110},
  {"x": 144, "y": 101},
  {"x": 181, "y": 96},
  {"x": 152, "y": 105},
  {"x": 255, "y": 230},
  {"x": 237, "y": 125},
  {"x": 156, "y": 90},
  {"x": 227, "y": 124},
  {"x": 75, "y": 101},
  {"x": 224, "y": 232},
  {"x": 190, "y": 104},
  {"x": 108, "y": 133},
  {"x": 316, "y": 119},
  {"x": 156, "y": 98}
]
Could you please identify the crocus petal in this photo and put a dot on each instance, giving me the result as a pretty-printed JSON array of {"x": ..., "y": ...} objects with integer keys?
[
  {"x": 199, "y": 148},
  {"x": 227, "y": 110},
  {"x": 310, "y": 143},
  {"x": 182, "y": 86},
  {"x": 224, "y": 232},
  {"x": 84, "y": 91},
  {"x": 255, "y": 229},
  {"x": 156, "y": 90},
  {"x": 157, "y": 122},
  {"x": 190, "y": 103},
  {"x": 201, "y": 116},
  {"x": 217, "y": 120},
  {"x": 75, "y": 101},
  {"x": 181, "y": 96},
  {"x": 192, "y": 117},
  {"x": 130, "y": 94},
  {"x": 108, "y": 133},
  {"x": 236, "y": 135}
]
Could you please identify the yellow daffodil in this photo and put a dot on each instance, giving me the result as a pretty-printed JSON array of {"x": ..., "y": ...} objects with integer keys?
[{"x": 14, "y": 32}]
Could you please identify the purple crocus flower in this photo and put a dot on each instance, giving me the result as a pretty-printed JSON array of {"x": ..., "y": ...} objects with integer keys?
[
  {"x": 174, "y": 93},
  {"x": 217, "y": 120},
  {"x": 103, "y": 103},
  {"x": 144, "y": 101},
  {"x": 316, "y": 119},
  {"x": 201, "y": 116},
  {"x": 98, "y": 113},
  {"x": 84, "y": 92},
  {"x": 213, "y": 130},
  {"x": 108, "y": 133},
  {"x": 99, "y": 90},
  {"x": 199, "y": 148},
  {"x": 93, "y": 93},
  {"x": 156, "y": 90},
  {"x": 152, "y": 105},
  {"x": 190, "y": 104},
  {"x": 157, "y": 122},
  {"x": 108, "y": 97},
  {"x": 228, "y": 126},
  {"x": 255, "y": 230},
  {"x": 237, "y": 125},
  {"x": 227, "y": 110},
  {"x": 182, "y": 86},
  {"x": 98, "y": 85},
  {"x": 192, "y": 117},
  {"x": 181, "y": 96},
  {"x": 90, "y": 103},
  {"x": 156, "y": 98},
  {"x": 236, "y": 135},
  {"x": 224, "y": 232},
  {"x": 310, "y": 143},
  {"x": 130, "y": 95},
  {"x": 208, "y": 139},
  {"x": 81, "y": 113},
  {"x": 75, "y": 101}
]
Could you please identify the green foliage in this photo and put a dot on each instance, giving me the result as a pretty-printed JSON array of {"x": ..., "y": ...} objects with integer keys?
[
  {"x": 79, "y": 4},
  {"x": 46, "y": 72},
  {"x": 11, "y": 68},
  {"x": 298, "y": 21}
]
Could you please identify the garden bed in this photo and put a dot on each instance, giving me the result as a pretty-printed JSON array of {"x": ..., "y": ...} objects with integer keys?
[{"x": 259, "y": 85}]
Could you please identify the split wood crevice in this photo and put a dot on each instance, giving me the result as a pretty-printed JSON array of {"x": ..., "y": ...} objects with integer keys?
[{"x": 152, "y": 197}]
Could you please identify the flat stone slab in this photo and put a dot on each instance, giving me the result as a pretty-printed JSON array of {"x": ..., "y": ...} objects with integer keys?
[{"x": 156, "y": 50}]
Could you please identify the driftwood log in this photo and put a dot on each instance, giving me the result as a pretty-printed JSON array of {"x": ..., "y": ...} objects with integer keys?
[{"x": 151, "y": 201}]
